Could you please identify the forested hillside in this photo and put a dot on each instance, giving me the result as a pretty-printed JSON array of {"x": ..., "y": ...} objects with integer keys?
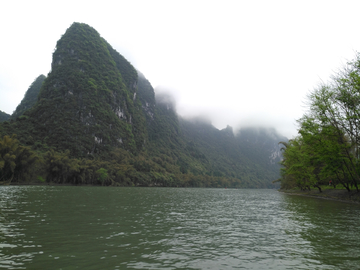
[
  {"x": 30, "y": 98},
  {"x": 236, "y": 155},
  {"x": 84, "y": 104},
  {"x": 96, "y": 120},
  {"x": 4, "y": 116}
]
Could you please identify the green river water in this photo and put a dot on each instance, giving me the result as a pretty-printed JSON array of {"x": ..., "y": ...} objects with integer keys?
[{"x": 67, "y": 227}]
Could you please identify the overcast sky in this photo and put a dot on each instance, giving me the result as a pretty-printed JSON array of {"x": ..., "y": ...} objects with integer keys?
[{"x": 239, "y": 62}]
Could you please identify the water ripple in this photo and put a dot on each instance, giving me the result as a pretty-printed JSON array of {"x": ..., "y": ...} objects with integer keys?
[{"x": 134, "y": 228}]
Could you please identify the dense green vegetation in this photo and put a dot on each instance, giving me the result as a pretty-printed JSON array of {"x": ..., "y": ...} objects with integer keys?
[
  {"x": 30, "y": 98},
  {"x": 96, "y": 121},
  {"x": 4, "y": 116},
  {"x": 84, "y": 104},
  {"x": 16, "y": 161},
  {"x": 327, "y": 148},
  {"x": 21, "y": 164}
]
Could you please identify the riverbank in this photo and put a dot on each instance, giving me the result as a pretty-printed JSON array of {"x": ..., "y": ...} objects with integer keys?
[{"x": 330, "y": 194}]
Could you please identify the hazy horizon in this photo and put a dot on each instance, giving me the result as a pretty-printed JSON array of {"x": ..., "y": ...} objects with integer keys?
[{"x": 167, "y": 97}]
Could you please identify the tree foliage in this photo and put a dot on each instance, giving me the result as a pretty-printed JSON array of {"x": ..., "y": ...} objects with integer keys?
[
  {"x": 327, "y": 148},
  {"x": 16, "y": 161}
]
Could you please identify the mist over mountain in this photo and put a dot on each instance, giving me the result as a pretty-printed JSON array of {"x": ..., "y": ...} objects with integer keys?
[
  {"x": 97, "y": 111},
  {"x": 251, "y": 153}
]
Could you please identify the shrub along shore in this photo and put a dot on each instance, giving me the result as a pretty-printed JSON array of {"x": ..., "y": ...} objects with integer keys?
[{"x": 327, "y": 193}]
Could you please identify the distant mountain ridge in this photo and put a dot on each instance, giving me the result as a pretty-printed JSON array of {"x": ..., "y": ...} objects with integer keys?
[
  {"x": 4, "y": 116},
  {"x": 251, "y": 153},
  {"x": 94, "y": 102},
  {"x": 30, "y": 98}
]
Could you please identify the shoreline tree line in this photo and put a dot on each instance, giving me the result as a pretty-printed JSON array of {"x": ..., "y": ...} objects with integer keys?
[
  {"x": 21, "y": 164},
  {"x": 326, "y": 151}
]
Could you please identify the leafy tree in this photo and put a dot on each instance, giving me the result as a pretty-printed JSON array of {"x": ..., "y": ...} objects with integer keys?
[
  {"x": 102, "y": 176},
  {"x": 15, "y": 160},
  {"x": 328, "y": 144}
]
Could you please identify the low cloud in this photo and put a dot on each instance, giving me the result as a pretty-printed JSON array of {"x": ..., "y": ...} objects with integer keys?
[{"x": 221, "y": 116}]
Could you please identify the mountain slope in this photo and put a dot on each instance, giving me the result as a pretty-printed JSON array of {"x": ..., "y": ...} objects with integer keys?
[
  {"x": 4, "y": 116},
  {"x": 254, "y": 161},
  {"x": 85, "y": 104},
  {"x": 100, "y": 118},
  {"x": 30, "y": 97}
]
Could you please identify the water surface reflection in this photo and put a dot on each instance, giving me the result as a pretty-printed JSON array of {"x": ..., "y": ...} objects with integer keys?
[
  {"x": 167, "y": 228},
  {"x": 330, "y": 227}
]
